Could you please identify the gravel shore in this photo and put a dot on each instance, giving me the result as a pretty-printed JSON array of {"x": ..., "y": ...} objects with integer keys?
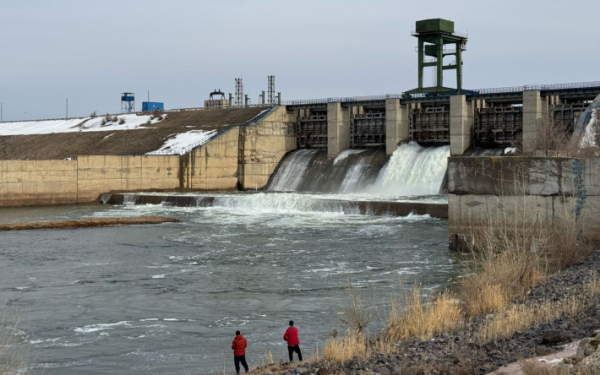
[{"x": 458, "y": 353}]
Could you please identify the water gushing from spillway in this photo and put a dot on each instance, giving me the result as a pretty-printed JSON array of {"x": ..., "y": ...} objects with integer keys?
[
  {"x": 413, "y": 170},
  {"x": 356, "y": 174},
  {"x": 313, "y": 171},
  {"x": 291, "y": 171}
]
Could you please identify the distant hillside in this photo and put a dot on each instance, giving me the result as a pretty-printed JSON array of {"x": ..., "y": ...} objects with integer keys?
[{"x": 134, "y": 136}]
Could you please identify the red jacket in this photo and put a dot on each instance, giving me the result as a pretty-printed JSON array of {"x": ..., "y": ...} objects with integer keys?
[
  {"x": 291, "y": 336},
  {"x": 239, "y": 345}
]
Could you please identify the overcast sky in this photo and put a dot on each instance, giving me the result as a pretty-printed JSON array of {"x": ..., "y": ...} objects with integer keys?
[{"x": 180, "y": 50}]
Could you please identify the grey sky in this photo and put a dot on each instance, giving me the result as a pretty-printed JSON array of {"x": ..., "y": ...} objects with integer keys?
[{"x": 180, "y": 50}]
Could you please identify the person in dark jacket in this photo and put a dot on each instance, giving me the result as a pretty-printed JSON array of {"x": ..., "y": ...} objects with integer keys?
[
  {"x": 239, "y": 352},
  {"x": 291, "y": 336}
]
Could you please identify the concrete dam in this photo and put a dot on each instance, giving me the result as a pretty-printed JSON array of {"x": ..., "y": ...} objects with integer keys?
[{"x": 367, "y": 149}]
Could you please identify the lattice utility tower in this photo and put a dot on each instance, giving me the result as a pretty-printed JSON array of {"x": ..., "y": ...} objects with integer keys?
[
  {"x": 127, "y": 102},
  {"x": 239, "y": 92},
  {"x": 271, "y": 89},
  {"x": 434, "y": 35}
]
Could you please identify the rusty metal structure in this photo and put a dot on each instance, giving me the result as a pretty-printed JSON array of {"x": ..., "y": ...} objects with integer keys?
[
  {"x": 430, "y": 125},
  {"x": 367, "y": 130},
  {"x": 311, "y": 128},
  {"x": 500, "y": 126}
]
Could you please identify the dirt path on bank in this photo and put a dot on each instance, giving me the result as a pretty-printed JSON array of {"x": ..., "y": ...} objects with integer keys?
[{"x": 554, "y": 358}]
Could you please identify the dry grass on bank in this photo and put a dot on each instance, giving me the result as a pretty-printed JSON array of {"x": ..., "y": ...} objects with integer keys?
[
  {"x": 523, "y": 316},
  {"x": 339, "y": 350},
  {"x": 513, "y": 253},
  {"x": 422, "y": 317},
  {"x": 13, "y": 358}
]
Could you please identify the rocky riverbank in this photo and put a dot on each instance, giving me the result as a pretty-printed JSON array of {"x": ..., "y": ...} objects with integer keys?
[
  {"x": 87, "y": 223},
  {"x": 460, "y": 352}
]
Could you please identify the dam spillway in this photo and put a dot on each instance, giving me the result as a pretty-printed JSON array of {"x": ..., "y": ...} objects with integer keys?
[
  {"x": 411, "y": 170},
  {"x": 284, "y": 202}
]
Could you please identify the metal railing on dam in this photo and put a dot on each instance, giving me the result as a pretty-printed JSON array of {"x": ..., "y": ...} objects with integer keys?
[{"x": 371, "y": 98}]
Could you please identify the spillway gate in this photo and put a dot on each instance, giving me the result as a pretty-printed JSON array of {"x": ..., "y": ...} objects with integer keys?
[
  {"x": 430, "y": 125},
  {"x": 311, "y": 129},
  {"x": 498, "y": 126},
  {"x": 367, "y": 130}
]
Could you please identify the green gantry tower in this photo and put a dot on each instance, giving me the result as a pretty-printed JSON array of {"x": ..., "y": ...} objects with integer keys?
[{"x": 434, "y": 35}]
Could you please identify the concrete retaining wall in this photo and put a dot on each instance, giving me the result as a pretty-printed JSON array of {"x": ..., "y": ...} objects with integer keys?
[
  {"x": 483, "y": 188},
  {"x": 101, "y": 174},
  {"x": 214, "y": 165},
  {"x": 241, "y": 157},
  {"x": 37, "y": 182},
  {"x": 263, "y": 145}
]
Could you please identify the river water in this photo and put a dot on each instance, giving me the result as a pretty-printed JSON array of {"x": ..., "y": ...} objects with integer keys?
[{"x": 168, "y": 298}]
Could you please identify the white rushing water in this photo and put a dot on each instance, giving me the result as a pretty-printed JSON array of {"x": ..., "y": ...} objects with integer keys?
[
  {"x": 292, "y": 170},
  {"x": 354, "y": 175},
  {"x": 413, "y": 170}
]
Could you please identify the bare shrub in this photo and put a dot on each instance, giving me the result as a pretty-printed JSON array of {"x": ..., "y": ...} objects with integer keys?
[
  {"x": 355, "y": 314},
  {"x": 121, "y": 121},
  {"x": 552, "y": 139},
  {"x": 422, "y": 317},
  {"x": 93, "y": 114},
  {"x": 13, "y": 356},
  {"x": 114, "y": 119},
  {"x": 506, "y": 257},
  {"x": 515, "y": 249}
]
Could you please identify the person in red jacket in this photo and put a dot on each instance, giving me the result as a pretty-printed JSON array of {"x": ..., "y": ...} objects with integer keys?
[
  {"x": 291, "y": 336},
  {"x": 239, "y": 352}
]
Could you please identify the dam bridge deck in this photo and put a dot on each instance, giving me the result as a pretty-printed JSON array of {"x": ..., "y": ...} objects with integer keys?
[{"x": 496, "y": 117}]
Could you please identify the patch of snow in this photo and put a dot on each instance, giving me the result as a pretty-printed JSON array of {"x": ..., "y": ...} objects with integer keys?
[
  {"x": 181, "y": 141},
  {"x": 87, "y": 124},
  {"x": 510, "y": 150}
]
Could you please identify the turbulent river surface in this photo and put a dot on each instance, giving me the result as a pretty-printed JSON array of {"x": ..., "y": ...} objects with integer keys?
[{"x": 168, "y": 298}]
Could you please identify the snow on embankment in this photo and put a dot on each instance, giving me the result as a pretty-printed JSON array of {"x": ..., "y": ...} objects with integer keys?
[
  {"x": 87, "y": 124},
  {"x": 180, "y": 143}
]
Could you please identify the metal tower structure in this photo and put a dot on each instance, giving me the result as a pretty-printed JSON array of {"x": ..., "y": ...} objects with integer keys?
[
  {"x": 434, "y": 35},
  {"x": 239, "y": 92},
  {"x": 271, "y": 90},
  {"x": 127, "y": 102}
]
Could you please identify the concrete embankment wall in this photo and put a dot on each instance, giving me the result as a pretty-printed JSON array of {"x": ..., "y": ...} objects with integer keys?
[
  {"x": 43, "y": 182},
  {"x": 484, "y": 189},
  {"x": 263, "y": 145},
  {"x": 241, "y": 157},
  {"x": 214, "y": 165},
  {"x": 31, "y": 182},
  {"x": 100, "y": 174}
]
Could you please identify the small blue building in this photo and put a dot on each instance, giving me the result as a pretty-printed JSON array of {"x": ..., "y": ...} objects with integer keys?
[{"x": 151, "y": 106}]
